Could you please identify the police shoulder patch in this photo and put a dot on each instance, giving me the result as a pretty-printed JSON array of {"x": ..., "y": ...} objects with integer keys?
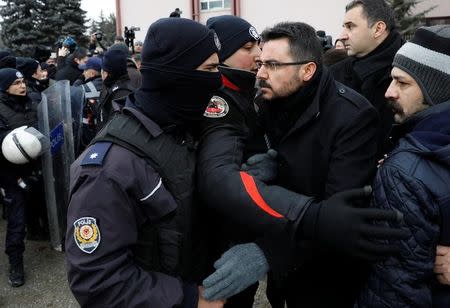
[
  {"x": 86, "y": 234},
  {"x": 96, "y": 154},
  {"x": 217, "y": 108}
]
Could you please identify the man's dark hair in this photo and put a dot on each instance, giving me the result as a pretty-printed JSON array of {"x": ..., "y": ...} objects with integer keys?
[
  {"x": 80, "y": 53},
  {"x": 303, "y": 41},
  {"x": 375, "y": 10}
]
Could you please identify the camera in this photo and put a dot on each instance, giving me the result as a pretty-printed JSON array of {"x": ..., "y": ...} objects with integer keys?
[
  {"x": 130, "y": 36},
  {"x": 129, "y": 32},
  {"x": 325, "y": 40},
  {"x": 98, "y": 36},
  {"x": 59, "y": 43}
]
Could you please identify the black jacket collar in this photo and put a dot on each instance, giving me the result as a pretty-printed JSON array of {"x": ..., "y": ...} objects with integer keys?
[{"x": 380, "y": 58}]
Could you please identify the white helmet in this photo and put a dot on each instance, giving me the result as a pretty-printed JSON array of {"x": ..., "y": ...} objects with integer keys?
[{"x": 23, "y": 145}]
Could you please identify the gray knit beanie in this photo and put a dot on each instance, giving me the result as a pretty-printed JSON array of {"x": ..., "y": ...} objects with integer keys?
[{"x": 426, "y": 57}]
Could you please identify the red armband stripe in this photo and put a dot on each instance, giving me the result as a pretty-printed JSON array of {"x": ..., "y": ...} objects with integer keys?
[
  {"x": 252, "y": 190},
  {"x": 228, "y": 84}
]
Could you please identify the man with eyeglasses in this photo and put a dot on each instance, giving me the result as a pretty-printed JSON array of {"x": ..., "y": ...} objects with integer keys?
[{"x": 325, "y": 137}]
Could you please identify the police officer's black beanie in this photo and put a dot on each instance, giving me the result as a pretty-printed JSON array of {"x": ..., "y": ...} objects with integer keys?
[
  {"x": 7, "y": 77},
  {"x": 122, "y": 47},
  {"x": 7, "y": 59},
  {"x": 27, "y": 66},
  {"x": 115, "y": 62},
  {"x": 166, "y": 44},
  {"x": 233, "y": 33}
]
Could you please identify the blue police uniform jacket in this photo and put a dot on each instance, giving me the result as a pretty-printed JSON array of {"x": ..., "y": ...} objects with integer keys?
[{"x": 113, "y": 192}]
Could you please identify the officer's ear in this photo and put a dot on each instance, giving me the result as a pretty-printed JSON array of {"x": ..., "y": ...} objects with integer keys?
[{"x": 307, "y": 71}]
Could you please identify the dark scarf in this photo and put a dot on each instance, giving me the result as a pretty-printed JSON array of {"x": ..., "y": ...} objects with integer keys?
[
  {"x": 16, "y": 102},
  {"x": 379, "y": 58},
  {"x": 175, "y": 96},
  {"x": 282, "y": 113}
]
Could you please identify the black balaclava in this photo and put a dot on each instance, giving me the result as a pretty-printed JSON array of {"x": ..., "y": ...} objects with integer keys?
[{"x": 173, "y": 91}]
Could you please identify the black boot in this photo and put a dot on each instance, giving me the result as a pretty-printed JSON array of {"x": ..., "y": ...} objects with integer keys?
[{"x": 16, "y": 275}]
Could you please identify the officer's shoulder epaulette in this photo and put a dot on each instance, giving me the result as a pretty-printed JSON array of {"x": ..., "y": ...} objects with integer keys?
[
  {"x": 96, "y": 153},
  {"x": 351, "y": 95},
  {"x": 217, "y": 107}
]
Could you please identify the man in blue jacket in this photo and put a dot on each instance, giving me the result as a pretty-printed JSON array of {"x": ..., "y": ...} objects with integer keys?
[{"x": 415, "y": 177}]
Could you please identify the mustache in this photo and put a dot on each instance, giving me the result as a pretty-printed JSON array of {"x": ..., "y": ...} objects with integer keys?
[
  {"x": 263, "y": 84},
  {"x": 395, "y": 106}
]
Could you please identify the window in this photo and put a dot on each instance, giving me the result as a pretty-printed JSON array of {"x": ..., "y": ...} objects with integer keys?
[{"x": 207, "y": 5}]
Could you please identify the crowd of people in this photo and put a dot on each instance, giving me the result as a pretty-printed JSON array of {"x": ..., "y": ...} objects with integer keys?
[{"x": 224, "y": 156}]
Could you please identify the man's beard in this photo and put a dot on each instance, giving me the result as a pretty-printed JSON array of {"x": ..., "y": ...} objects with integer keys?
[{"x": 288, "y": 89}]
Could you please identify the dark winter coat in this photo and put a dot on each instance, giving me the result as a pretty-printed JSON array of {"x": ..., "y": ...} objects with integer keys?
[
  {"x": 329, "y": 147},
  {"x": 415, "y": 179},
  {"x": 113, "y": 89},
  {"x": 370, "y": 76},
  {"x": 134, "y": 73},
  {"x": 15, "y": 111},
  {"x": 69, "y": 72},
  {"x": 230, "y": 135},
  {"x": 119, "y": 192},
  {"x": 326, "y": 141}
]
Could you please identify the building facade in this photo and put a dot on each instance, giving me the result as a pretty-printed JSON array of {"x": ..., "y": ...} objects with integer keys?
[{"x": 321, "y": 14}]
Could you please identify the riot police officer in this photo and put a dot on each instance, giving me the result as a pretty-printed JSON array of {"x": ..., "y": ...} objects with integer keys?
[
  {"x": 130, "y": 237},
  {"x": 92, "y": 85},
  {"x": 116, "y": 83},
  {"x": 20, "y": 148}
]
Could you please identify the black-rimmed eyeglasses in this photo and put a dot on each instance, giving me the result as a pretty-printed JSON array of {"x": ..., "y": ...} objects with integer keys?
[{"x": 274, "y": 65}]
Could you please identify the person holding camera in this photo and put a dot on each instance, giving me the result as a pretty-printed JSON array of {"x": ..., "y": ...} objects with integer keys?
[
  {"x": 96, "y": 38},
  {"x": 71, "y": 71},
  {"x": 21, "y": 145}
]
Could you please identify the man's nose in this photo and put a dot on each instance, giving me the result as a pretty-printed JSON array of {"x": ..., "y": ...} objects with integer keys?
[
  {"x": 343, "y": 36},
  {"x": 262, "y": 73}
]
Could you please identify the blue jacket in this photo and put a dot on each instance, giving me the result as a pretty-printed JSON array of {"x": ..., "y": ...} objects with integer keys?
[{"x": 415, "y": 179}]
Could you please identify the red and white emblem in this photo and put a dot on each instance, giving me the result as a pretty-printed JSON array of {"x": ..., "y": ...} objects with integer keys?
[
  {"x": 217, "y": 108},
  {"x": 86, "y": 234}
]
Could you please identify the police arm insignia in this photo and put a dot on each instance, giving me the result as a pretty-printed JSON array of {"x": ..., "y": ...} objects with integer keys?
[
  {"x": 217, "y": 108},
  {"x": 86, "y": 234}
]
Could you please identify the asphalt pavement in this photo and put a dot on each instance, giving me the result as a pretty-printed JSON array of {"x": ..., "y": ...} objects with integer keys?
[{"x": 45, "y": 277}]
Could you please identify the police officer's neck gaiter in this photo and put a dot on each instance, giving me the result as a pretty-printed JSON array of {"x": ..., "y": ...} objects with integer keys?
[{"x": 172, "y": 95}]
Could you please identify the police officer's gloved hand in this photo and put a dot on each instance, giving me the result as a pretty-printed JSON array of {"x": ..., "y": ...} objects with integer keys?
[
  {"x": 262, "y": 166},
  {"x": 238, "y": 268},
  {"x": 339, "y": 224}
]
